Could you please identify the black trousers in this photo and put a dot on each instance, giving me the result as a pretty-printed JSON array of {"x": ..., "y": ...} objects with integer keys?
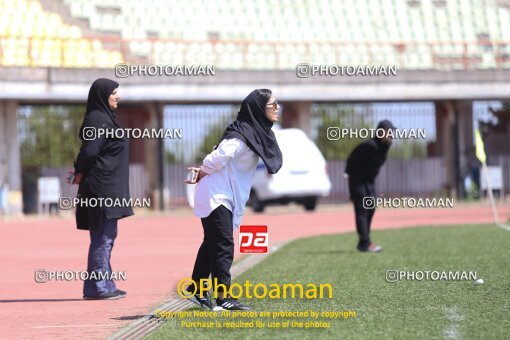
[
  {"x": 363, "y": 221},
  {"x": 216, "y": 254}
]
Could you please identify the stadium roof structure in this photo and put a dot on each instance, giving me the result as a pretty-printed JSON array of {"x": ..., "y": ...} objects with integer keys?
[{"x": 72, "y": 85}]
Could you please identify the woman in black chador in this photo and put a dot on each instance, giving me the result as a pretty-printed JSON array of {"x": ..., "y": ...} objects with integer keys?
[{"x": 102, "y": 171}]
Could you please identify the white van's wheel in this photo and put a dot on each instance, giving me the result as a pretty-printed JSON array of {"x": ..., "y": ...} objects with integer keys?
[
  {"x": 310, "y": 203},
  {"x": 256, "y": 204}
]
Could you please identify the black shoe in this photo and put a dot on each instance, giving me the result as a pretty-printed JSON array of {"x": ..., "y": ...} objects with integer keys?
[
  {"x": 372, "y": 248},
  {"x": 229, "y": 304},
  {"x": 121, "y": 292},
  {"x": 202, "y": 301},
  {"x": 107, "y": 296}
]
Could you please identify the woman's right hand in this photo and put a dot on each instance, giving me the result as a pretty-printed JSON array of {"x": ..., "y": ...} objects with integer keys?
[
  {"x": 74, "y": 178},
  {"x": 198, "y": 174},
  {"x": 77, "y": 178}
]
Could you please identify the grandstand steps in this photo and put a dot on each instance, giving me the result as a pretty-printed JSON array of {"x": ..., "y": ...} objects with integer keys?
[{"x": 62, "y": 9}]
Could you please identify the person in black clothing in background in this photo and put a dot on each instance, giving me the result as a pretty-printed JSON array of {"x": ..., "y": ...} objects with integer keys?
[
  {"x": 102, "y": 171},
  {"x": 362, "y": 168}
]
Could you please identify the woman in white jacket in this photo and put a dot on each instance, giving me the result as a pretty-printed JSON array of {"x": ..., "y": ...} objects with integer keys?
[{"x": 223, "y": 187}]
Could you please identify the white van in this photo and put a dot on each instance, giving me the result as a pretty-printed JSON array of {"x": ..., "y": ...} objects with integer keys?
[{"x": 302, "y": 178}]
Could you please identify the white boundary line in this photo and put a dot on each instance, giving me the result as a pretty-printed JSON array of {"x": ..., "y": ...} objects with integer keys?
[{"x": 453, "y": 315}]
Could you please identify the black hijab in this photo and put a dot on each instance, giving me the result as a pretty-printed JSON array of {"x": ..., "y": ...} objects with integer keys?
[
  {"x": 254, "y": 129},
  {"x": 97, "y": 100},
  {"x": 382, "y": 146}
]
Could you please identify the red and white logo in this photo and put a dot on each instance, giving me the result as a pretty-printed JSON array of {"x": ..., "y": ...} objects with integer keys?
[{"x": 253, "y": 239}]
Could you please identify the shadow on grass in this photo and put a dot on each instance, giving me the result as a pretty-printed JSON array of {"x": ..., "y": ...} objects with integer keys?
[
  {"x": 331, "y": 252},
  {"x": 129, "y": 317}
]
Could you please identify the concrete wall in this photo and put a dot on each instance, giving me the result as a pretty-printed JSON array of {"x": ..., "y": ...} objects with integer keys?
[
  {"x": 297, "y": 115},
  {"x": 10, "y": 159}
]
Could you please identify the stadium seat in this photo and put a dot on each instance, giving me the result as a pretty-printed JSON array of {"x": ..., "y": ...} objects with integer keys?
[
  {"x": 368, "y": 24},
  {"x": 31, "y": 36}
]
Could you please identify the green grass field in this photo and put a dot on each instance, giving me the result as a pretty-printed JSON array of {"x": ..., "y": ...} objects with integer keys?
[{"x": 400, "y": 310}]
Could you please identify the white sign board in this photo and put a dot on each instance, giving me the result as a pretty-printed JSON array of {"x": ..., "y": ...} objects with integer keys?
[
  {"x": 495, "y": 174},
  {"x": 49, "y": 189}
]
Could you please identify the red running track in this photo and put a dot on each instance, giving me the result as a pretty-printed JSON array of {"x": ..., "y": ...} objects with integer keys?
[{"x": 156, "y": 252}]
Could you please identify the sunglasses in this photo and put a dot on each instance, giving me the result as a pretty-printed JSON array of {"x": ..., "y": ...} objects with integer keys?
[{"x": 273, "y": 104}]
